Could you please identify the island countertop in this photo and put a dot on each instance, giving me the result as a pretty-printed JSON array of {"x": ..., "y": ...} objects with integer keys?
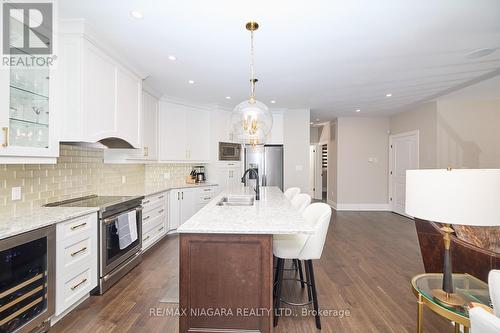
[{"x": 272, "y": 214}]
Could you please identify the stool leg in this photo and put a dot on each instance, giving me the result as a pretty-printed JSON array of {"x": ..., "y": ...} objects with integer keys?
[
  {"x": 314, "y": 293},
  {"x": 276, "y": 272},
  {"x": 308, "y": 278},
  {"x": 301, "y": 274},
  {"x": 277, "y": 300}
]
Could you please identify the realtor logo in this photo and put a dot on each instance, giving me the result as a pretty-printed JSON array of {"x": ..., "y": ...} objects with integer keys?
[{"x": 27, "y": 28}]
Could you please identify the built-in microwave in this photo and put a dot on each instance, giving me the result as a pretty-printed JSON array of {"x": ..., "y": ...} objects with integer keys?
[{"x": 229, "y": 151}]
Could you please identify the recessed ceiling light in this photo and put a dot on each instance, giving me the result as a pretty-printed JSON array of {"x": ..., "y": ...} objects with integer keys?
[
  {"x": 191, "y": 82},
  {"x": 137, "y": 14},
  {"x": 228, "y": 97},
  {"x": 388, "y": 95},
  {"x": 358, "y": 110},
  {"x": 479, "y": 53},
  {"x": 273, "y": 102},
  {"x": 171, "y": 57}
]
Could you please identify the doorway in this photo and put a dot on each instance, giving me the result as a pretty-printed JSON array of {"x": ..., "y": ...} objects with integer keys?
[
  {"x": 316, "y": 174},
  {"x": 324, "y": 172},
  {"x": 403, "y": 155}
]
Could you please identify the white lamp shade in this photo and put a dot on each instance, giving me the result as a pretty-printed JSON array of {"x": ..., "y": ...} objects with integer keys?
[{"x": 462, "y": 196}]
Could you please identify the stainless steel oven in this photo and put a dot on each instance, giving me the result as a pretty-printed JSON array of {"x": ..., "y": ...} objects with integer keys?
[
  {"x": 229, "y": 151},
  {"x": 27, "y": 281}
]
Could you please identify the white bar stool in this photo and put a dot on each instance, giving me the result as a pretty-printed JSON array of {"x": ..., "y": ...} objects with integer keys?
[
  {"x": 291, "y": 192},
  {"x": 301, "y": 201},
  {"x": 302, "y": 247}
]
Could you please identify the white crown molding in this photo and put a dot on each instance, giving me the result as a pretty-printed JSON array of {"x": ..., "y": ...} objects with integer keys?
[{"x": 183, "y": 102}]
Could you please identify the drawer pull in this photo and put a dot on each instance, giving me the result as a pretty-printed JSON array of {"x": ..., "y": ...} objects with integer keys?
[
  {"x": 161, "y": 197},
  {"x": 207, "y": 198},
  {"x": 145, "y": 202},
  {"x": 83, "y": 249},
  {"x": 5, "y": 137},
  {"x": 79, "y": 226},
  {"x": 161, "y": 210},
  {"x": 146, "y": 218},
  {"x": 207, "y": 189},
  {"x": 145, "y": 238},
  {"x": 79, "y": 284},
  {"x": 161, "y": 228}
]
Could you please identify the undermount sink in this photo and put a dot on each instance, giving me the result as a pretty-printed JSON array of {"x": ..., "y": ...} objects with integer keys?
[{"x": 236, "y": 200}]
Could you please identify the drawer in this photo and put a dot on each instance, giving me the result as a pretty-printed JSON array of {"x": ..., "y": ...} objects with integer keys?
[
  {"x": 153, "y": 235},
  {"x": 206, "y": 198},
  {"x": 157, "y": 205},
  {"x": 153, "y": 213},
  {"x": 76, "y": 287},
  {"x": 79, "y": 227},
  {"x": 208, "y": 189},
  {"x": 77, "y": 255},
  {"x": 152, "y": 200},
  {"x": 150, "y": 224}
]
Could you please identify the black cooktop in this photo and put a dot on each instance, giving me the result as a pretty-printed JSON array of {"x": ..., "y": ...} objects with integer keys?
[{"x": 94, "y": 201}]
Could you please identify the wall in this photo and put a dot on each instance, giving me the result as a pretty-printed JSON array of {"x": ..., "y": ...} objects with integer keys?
[
  {"x": 296, "y": 137},
  {"x": 468, "y": 133},
  {"x": 423, "y": 119},
  {"x": 79, "y": 171},
  {"x": 362, "y": 162}
]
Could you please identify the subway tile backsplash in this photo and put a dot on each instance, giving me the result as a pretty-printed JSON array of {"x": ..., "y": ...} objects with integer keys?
[{"x": 79, "y": 171}]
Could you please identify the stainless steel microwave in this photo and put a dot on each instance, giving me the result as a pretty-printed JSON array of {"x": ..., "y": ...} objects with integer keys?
[{"x": 229, "y": 151}]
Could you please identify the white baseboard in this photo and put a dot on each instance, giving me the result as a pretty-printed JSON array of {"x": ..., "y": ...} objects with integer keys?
[
  {"x": 361, "y": 207},
  {"x": 332, "y": 203}
]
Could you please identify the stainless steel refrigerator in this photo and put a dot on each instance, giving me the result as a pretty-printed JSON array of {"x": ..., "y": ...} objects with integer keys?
[{"x": 268, "y": 160}]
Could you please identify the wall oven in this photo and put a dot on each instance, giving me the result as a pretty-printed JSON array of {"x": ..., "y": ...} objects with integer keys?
[
  {"x": 229, "y": 151},
  {"x": 27, "y": 273}
]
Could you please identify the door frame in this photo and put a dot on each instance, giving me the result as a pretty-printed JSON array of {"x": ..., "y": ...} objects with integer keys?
[{"x": 415, "y": 133}]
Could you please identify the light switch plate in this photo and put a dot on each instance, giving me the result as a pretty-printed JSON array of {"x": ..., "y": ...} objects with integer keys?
[{"x": 16, "y": 193}]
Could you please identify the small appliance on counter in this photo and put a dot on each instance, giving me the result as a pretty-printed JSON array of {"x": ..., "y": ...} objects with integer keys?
[{"x": 199, "y": 172}]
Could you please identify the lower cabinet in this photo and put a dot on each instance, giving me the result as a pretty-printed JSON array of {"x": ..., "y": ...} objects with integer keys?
[
  {"x": 154, "y": 219},
  {"x": 185, "y": 202},
  {"x": 76, "y": 261}
]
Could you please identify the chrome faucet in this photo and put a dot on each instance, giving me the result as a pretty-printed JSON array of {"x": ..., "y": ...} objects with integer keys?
[{"x": 256, "y": 175}]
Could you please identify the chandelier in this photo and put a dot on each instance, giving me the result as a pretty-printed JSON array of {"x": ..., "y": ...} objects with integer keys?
[{"x": 251, "y": 120}]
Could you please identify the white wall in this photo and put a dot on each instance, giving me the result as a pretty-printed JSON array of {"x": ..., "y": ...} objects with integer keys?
[
  {"x": 296, "y": 135},
  {"x": 362, "y": 163}
]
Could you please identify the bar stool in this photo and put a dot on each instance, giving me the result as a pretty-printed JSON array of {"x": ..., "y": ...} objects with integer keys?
[
  {"x": 291, "y": 192},
  {"x": 302, "y": 247},
  {"x": 301, "y": 201}
]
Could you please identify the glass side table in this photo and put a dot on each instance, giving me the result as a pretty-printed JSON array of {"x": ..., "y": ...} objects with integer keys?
[{"x": 467, "y": 286}]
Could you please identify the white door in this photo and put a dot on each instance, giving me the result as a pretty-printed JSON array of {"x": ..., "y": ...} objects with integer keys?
[
  {"x": 403, "y": 155},
  {"x": 197, "y": 135},
  {"x": 188, "y": 204},
  {"x": 172, "y": 132},
  {"x": 150, "y": 126},
  {"x": 128, "y": 104}
]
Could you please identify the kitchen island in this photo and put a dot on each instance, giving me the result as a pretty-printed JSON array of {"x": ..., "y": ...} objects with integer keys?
[{"x": 226, "y": 261}]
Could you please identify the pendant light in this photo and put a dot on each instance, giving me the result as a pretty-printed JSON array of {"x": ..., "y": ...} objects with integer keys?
[{"x": 251, "y": 120}]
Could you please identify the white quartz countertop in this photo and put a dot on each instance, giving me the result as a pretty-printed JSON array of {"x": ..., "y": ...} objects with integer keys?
[
  {"x": 153, "y": 189},
  {"x": 272, "y": 214},
  {"x": 31, "y": 219}
]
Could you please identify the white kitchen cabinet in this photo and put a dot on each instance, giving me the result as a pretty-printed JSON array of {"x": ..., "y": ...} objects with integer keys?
[
  {"x": 100, "y": 98},
  {"x": 276, "y": 135},
  {"x": 76, "y": 262},
  {"x": 184, "y": 133},
  {"x": 154, "y": 219},
  {"x": 229, "y": 174},
  {"x": 28, "y": 116},
  {"x": 183, "y": 203}
]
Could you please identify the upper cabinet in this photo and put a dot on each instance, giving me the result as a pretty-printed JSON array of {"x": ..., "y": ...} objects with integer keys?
[
  {"x": 183, "y": 133},
  {"x": 27, "y": 121},
  {"x": 100, "y": 97},
  {"x": 276, "y": 135}
]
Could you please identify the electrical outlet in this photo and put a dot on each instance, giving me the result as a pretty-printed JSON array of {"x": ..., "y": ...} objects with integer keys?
[
  {"x": 16, "y": 193},
  {"x": 166, "y": 175},
  {"x": 124, "y": 179}
]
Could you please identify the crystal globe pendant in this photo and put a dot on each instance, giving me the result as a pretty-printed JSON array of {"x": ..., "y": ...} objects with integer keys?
[{"x": 251, "y": 120}]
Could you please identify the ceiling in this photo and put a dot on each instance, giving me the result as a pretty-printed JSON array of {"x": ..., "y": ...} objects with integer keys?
[{"x": 331, "y": 56}]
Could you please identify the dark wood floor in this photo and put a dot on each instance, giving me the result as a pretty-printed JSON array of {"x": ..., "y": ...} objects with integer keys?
[{"x": 368, "y": 261}]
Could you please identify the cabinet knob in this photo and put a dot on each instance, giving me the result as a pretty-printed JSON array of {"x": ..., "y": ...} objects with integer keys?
[{"x": 5, "y": 131}]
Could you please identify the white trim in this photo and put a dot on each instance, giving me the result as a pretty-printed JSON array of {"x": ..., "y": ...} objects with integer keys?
[
  {"x": 362, "y": 207},
  {"x": 332, "y": 203},
  {"x": 391, "y": 158}
]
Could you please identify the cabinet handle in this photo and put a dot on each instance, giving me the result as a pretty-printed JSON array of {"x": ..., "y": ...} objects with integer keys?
[
  {"x": 146, "y": 218},
  {"x": 182, "y": 195},
  {"x": 207, "y": 198},
  {"x": 146, "y": 202},
  {"x": 146, "y": 151},
  {"x": 79, "y": 251},
  {"x": 78, "y": 226},
  {"x": 178, "y": 195},
  {"x": 79, "y": 284},
  {"x": 145, "y": 238},
  {"x": 5, "y": 137},
  {"x": 161, "y": 197},
  {"x": 161, "y": 211},
  {"x": 207, "y": 189},
  {"x": 161, "y": 229}
]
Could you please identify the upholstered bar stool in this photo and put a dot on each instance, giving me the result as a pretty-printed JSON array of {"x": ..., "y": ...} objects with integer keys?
[
  {"x": 302, "y": 247},
  {"x": 481, "y": 320},
  {"x": 291, "y": 192},
  {"x": 301, "y": 201}
]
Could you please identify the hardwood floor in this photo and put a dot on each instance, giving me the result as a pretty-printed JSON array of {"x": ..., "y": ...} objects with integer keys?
[{"x": 366, "y": 267}]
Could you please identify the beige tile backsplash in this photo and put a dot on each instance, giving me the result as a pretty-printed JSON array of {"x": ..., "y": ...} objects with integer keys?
[{"x": 79, "y": 171}]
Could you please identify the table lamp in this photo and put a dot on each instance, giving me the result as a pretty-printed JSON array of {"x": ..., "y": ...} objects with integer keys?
[{"x": 459, "y": 196}]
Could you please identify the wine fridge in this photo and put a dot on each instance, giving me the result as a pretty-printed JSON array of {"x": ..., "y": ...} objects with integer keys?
[{"x": 27, "y": 275}]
